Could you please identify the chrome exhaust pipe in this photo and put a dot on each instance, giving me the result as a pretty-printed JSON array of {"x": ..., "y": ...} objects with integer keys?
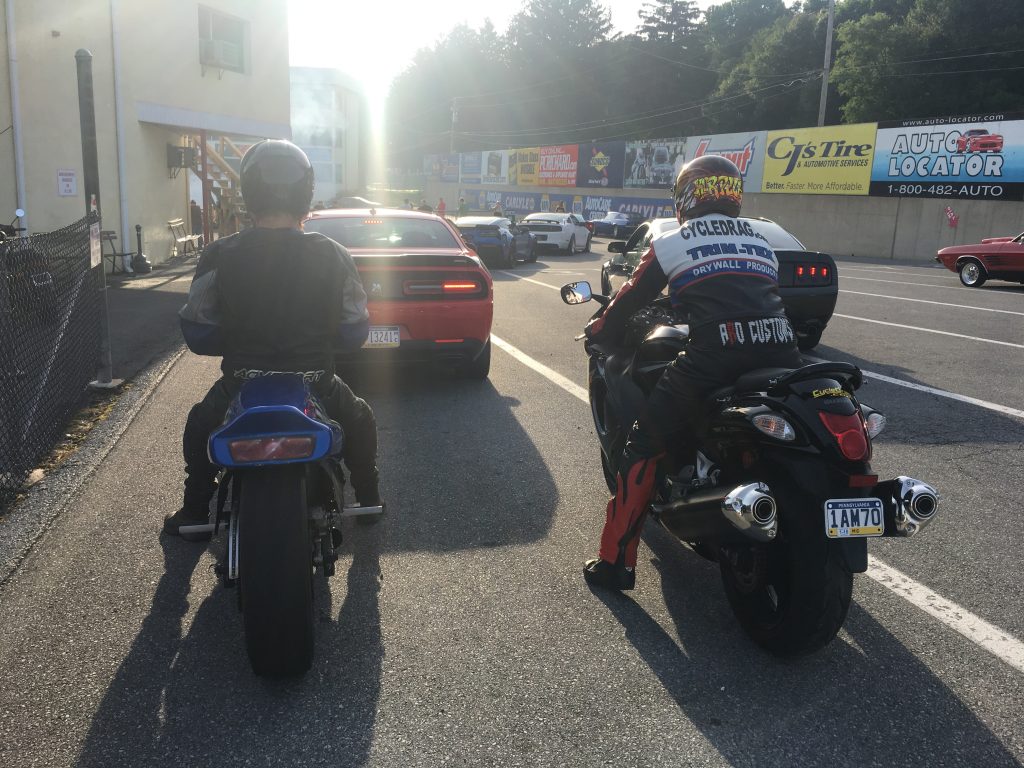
[
  {"x": 752, "y": 510},
  {"x": 912, "y": 505}
]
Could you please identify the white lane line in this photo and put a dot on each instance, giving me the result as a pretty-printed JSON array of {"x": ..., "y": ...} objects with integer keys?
[
  {"x": 940, "y": 303},
  {"x": 932, "y": 391},
  {"x": 974, "y": 628},
  {"x": 954, "y": 287},
  {"x": 529, "y": 280},
  {"x": 931, "y": 330},
  {"x": 551, "y": 375},
  {"x": 893, "y": 270}
]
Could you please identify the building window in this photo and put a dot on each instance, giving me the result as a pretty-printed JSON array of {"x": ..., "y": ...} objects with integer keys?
[{"x": 223, "y": 40}]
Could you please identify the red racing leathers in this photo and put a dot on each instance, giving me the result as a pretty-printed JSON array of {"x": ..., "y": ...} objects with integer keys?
[{"x": 722, "y": 277}]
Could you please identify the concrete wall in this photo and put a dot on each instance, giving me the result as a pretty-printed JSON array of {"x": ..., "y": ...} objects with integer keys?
[
  {"x": 8, "y": 182},
  {"x": 861, "y": 226}
]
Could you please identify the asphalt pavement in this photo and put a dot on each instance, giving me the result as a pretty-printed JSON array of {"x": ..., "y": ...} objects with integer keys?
[{"x": 459, "y": 632}]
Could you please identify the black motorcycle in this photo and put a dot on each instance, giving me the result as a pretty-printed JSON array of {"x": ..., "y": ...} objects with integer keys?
[{"x": 781, "y": 494}]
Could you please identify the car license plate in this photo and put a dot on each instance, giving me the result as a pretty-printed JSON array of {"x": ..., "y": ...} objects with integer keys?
[
  {"x": 382, "y": 336},
  {"x": 542, "y": 237},
  {"x": 853, "y": 518}
]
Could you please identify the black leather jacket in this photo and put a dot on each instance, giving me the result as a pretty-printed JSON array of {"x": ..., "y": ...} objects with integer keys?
[{"x": 275, "y": 300}]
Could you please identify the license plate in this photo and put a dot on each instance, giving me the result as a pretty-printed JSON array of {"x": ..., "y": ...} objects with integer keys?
[
  {"x": 853, "y": 518},
  {"x": 542, "y": 237},
  {"x": 382, "y": 336}
]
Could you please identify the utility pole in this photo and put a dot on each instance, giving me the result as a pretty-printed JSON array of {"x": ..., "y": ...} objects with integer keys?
[
  {"x": 455, "y": 118},
  {"x": 828, "y": 62}
]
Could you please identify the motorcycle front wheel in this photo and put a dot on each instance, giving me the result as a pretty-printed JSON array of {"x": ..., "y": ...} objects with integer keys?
[
  {"x": 276, "y": 571},
  {"x": 791, "y": 596}
]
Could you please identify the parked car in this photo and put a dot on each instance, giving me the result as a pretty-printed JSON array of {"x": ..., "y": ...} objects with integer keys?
[
  {"x": 617, "y": 224},
  {"x": 979, "y": 140},
  {"x": 994, "y": 258},
  {"x": 429, "y": 296},
  {"x": 808, "y": 281},
  {"x": 563, "y": 231},
  {"x": 498, "y": 239}
]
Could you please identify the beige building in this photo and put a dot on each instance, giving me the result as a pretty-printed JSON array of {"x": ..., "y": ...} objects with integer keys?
[{"x": 165, "y": 73}]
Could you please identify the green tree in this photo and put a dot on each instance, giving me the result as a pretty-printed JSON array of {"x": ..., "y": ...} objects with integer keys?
[{"x": 668, "y": 20}]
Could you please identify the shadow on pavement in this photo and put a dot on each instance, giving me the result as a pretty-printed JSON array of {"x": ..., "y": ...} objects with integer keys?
[
  {"x": 867, "y": 703},
  {"x": 458, "y": 470},
  {"x": 186, "y": 696}
]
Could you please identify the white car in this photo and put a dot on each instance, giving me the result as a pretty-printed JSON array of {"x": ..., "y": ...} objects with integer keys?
[{"x": 564, "y": 231}]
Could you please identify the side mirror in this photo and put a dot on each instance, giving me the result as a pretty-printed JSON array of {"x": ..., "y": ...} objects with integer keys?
[
  {"x": 577, "y": 293},
  {"x": 20, "y": 213},
  {"x": 617, "y": 246}
]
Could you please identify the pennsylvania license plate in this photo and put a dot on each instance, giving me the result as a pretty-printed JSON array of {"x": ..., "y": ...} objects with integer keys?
[
  {"x": 853, "y": 518},
  {"x": 383, "y": 336}
]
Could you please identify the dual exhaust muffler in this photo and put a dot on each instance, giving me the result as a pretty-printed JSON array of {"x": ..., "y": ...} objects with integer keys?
[{"x": 749, "y": 512}]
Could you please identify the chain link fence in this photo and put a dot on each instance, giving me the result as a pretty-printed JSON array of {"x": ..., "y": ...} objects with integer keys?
[{"x": 50, "y": 303}]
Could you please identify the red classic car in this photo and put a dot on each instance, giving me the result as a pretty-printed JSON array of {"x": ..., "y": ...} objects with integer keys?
[
  {"x": 429, "y": 296},
  {"x": 979, "y": 140},
  {"x": 994, "y": 258}
]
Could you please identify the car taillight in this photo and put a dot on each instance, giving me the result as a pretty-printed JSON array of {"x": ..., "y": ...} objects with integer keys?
[
  {"x": 277, "y": 448},
  {"x": 812, "y": 274},
  {"x": 463, "y": 287},
  {"x": 849, "y": 434}
]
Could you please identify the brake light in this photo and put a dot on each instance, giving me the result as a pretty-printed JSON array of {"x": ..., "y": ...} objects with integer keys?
[
  {"x": 373, "y": 221},
  {"x": 799, "y": 271},
  {"x": 455, "y": 286},
  {"x": 814, "y": 271},
  {"x": 276, "y": 448},
  {"x": 812, "y": 274},
  {"x": 849, "y": 434},
  {"x": 824, "y": 271}
]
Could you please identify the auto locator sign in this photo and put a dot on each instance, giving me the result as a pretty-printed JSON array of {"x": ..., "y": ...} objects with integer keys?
[{"x": 962, "y": 158}]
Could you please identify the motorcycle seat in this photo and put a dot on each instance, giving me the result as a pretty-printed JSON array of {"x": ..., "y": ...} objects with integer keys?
[{"x": 758, "y": 380}]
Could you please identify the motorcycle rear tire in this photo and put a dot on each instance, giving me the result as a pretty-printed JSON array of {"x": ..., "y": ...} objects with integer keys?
[
  {"x": 276, "y": 571},
  {"x": 804, "y": 572}
]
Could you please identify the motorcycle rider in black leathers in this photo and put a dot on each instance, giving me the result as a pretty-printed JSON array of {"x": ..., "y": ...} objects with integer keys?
[
  {"x": 723, "y": 277},
  {"x": 274, "y": 299}
]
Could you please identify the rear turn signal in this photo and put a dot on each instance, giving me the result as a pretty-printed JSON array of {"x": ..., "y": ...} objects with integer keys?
[
  {"x": 775, "y": 426},
  {"x": 849, "y": 434},
  {"x": 277, "y": 448}
]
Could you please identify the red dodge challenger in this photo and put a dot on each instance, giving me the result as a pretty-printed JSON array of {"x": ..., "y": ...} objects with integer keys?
[
  {"x": 979, "y": 140},
  {"x": 994, "y": 258},
  {"x": 429, "y": 296}
]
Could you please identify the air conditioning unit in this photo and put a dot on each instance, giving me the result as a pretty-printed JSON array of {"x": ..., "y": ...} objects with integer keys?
[{"x": 220, "y": 53}]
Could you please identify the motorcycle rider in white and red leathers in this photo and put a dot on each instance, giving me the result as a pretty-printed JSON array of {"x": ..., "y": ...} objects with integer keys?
[{"x": 723, "y": 278}]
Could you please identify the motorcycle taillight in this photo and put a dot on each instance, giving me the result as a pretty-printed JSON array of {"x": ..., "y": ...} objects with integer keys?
[{"x": 849, "y": 434}]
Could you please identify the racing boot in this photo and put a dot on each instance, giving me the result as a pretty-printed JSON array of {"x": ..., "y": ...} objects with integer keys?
[{"x": 624, "y": 519}]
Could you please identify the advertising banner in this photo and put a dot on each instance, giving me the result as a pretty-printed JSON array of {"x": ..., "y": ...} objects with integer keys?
[
  {"x": 470, "y": 167},
  {"x": 495, "y": 167},
  {"x": 834, "y": 160},
  {"x": 600, "y": 164},
  {"x": 527, "y": 167},
  {"x": 744, "y": 149},
  {"x": 589, "y": 206},
  {"x": 431, "y": 166},
  {"x": 558, "y": 166},
  {"x": 449, "y": 167},
  {"x": 962, "y": 157},
  {"x": 653, "y": 163}
]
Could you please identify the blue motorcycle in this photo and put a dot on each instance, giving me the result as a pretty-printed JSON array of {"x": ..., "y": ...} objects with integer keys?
[{"x": 281, "y": 455}]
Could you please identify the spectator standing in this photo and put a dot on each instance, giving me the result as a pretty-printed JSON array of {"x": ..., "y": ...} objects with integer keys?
[
  {"x": 441, "y": 207},
  {"x": 424, "y": 206},
  {"x": 560, "y": 208},
  {"x": 196, "y": 215},
  {"x": 407, "y": 205},
  {"x": 497, "y": 210},
  {"x": 463, "y": 208}
]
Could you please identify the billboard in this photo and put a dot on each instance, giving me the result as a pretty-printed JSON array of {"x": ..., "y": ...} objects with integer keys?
[
  {"x": 600, "y": 164},
  {"x": 495, "y": 167},
  {"x": 431, "y": 166},
  {"x": 527, "y": 167},
  {"x": 470, "y": 167},
  {"x": 449, "y": 167},
  {"x": 653, "y": 163},
  {"x": 589, "y": 206},
  {"x": 961, "y": 158},
  {"x": 834, "y": 160},
  {"x": 744, "y": 149},
  {"x": 558, "y": 166}
]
